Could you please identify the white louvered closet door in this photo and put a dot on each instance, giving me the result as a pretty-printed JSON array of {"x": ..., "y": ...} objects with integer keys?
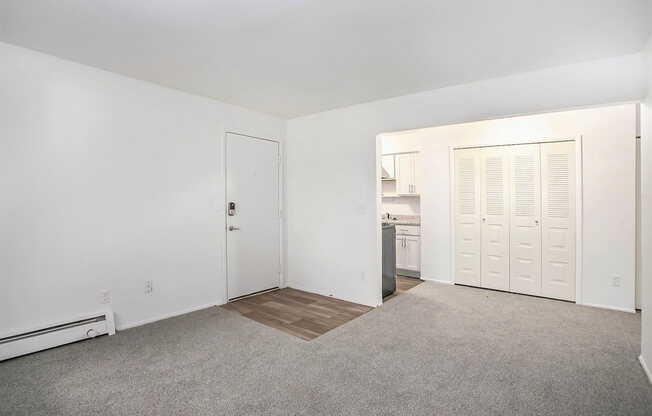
[
  {"x": 467, "y": 216},
  {"x": 525, "y": 219},
  {"x": 558, "y": 220},
  {"x": 494, "y": 162}
]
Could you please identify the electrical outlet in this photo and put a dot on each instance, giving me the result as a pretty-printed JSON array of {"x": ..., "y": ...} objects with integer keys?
[
  {"x": 106, "y": 296},
  {"x": 615, "y": 280},
  {"x": 149, "y": 286}
]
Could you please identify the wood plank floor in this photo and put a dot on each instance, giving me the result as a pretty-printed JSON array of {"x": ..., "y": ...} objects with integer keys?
[
  {"x": 403, "y": 284},
  {"x": 299, "y": 313}
]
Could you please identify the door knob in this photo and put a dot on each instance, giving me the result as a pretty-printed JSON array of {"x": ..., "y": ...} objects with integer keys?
[
  {"x": 232, "y": 228},
  {"x": 536, "y": 222}
]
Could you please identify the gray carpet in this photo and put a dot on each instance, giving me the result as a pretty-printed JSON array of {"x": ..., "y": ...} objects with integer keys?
[{"x": 436, "y": 349}]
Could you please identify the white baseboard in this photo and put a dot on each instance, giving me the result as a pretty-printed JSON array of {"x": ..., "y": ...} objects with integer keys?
[
  {"x": 446, "y": 282},
  {"x": 613, "y": 308},
  {"x": 645, "y": 368},
  {"x": 167, "y": 315},
  {"x": 332, "y": 295}
]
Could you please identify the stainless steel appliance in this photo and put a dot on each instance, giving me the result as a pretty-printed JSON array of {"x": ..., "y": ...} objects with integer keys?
[{"x": 389, "y": 259}]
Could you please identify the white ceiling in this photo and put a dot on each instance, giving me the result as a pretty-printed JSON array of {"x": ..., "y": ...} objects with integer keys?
[{"x": 295, "y": 57}]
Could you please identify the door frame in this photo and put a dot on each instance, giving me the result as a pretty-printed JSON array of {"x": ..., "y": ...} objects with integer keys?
[
  {"x": 221, "y": 206},
  {"x": 578, "y": 201}
]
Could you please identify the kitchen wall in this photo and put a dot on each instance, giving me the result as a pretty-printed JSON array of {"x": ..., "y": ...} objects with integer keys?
[
  {"x": 402, "y": 206},
  {"x": 609, "y": 189},
  {"x": 333, "y": 226},
  {"x": 646, "y": 217},
  {"x": 106, "y": 182}
]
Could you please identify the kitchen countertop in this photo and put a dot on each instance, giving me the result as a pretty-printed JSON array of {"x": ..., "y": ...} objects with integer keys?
[{"x": 402, "y": 219}]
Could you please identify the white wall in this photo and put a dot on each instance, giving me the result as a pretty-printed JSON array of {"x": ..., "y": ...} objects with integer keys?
[
  {"x": 331, "y": 183},
  {"x": 646, "y": 217},
  {"x": 107, "y": 182},
  {"x": 402, "y": 206},
  {"x": 609, "y": 176}
]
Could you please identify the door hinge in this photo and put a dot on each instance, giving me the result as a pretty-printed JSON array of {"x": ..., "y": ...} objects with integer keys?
[{"x": 280, "y": 214}]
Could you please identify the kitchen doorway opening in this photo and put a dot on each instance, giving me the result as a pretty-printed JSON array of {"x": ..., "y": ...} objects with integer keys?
[{"x": 400, "y": 215}]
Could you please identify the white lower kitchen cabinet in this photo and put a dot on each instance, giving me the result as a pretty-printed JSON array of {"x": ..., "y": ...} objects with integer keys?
[
  {"x": 408, "y": 255},
  {"x": 400, "y": 252}
]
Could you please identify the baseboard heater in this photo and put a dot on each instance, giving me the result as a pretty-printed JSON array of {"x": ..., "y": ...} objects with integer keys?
[{"x": 55, "y": 335}]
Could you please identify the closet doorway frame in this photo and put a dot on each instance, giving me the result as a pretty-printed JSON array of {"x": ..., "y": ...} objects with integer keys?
[{"x": 579, "y": 198}]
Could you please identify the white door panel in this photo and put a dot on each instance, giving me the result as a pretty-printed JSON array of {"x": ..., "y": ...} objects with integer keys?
[
  {"x": 416, "y": 188},
  {"x": 495, "y": 217},
  {"x": 412, "y": 253},
  {"x": 404, "y": 173},
  {"x": 558, "y": 220},
  {"x": 515, "y": 218},
  {"x": 467, "y": 217},
  {"x": 253, "y": 249},
  {"x": 525, "y": 219},
  {"x": 400, "y": 252}
]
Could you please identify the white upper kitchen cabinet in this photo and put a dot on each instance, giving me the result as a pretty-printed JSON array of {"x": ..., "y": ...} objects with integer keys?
[{"x": 407, "y": 174}]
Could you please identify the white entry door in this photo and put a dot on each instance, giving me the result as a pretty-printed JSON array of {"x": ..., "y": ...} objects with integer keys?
[
  {"x": 495, "y": 217},
  {"x": 558, "y": 220},
  {"x": 525, "y": 219},
  {"x": 252, "y": 186},
  {"x": 467, "y": 217}
]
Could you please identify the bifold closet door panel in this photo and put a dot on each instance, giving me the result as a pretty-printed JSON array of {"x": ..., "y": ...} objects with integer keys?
[
  {"x": 467, "y": 216},
  {"x": 525, "y": 219},
  {"x": 494, "y": 163},
  {"x": 558, "y": 220}
]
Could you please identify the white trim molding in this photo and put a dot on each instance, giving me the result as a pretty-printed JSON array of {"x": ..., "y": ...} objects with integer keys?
[
  {"x": 612, "y": 308},
  {"x": 332, "y": 295},
  {"x": 645, "y": 368},
  {"x": 166, "y": 316},
  {"x": 446, "y": 282}
]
